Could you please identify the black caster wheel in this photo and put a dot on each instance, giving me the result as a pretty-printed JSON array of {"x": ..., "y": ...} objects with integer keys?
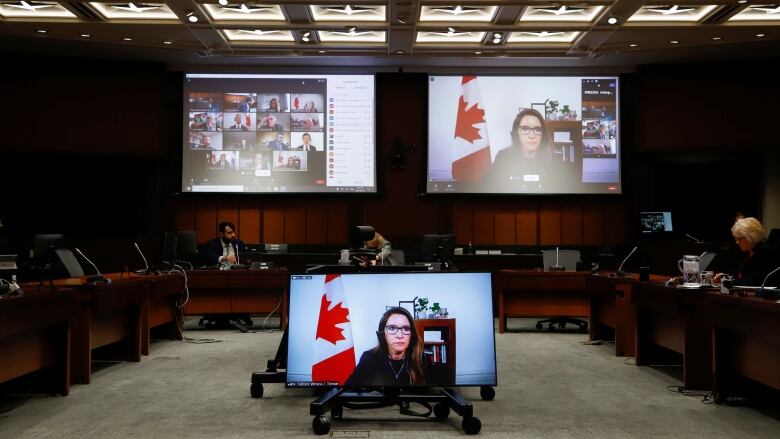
[
  {"x": 562, "y": 325},
  {"x": 201, "y": 322},
  {"x": 551, "y": 328},
  {"x": 256, "y": 390},
  {"x": 441, "y": 411},
  {"x": 337, "y": 412},
  {"x": 471, "y": 425},
  {"x": 249, "y": 322},
  {"x": 320, "y": 425},
  {"x": 538, "y": 326},
  {"x": 487, "y": 393},
  {"x": 210, "y": 325},
  {"x": 584, "y": 327}
]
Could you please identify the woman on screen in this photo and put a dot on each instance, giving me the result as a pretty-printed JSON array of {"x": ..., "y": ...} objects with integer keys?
[
  {"x": 523, "y": 165},
  {"x": 398, "y": 358},
  {"x": 750, "y": 236}
]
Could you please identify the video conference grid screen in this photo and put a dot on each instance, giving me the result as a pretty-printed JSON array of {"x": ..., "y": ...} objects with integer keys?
[
  {"x": 278, "y": 133},
  {"x": 655, "y": 222},
  {"x": 523, "y": 134},
  {"x": 335, "y": 321}
]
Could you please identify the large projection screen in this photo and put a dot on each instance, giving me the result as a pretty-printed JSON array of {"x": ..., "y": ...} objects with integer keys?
[
  {"x": 523, "y": 135},
  {"x": 258, "y": 133}
]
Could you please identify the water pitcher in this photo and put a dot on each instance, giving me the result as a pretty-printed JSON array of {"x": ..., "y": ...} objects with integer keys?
[{"x": 689, "y": 267}]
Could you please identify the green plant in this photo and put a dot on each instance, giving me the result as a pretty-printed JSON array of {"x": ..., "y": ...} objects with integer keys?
[
  {"x": 435, "y": 309},
  {"x": 420, "y": 304},
  {"x": 551, "y": 106}
]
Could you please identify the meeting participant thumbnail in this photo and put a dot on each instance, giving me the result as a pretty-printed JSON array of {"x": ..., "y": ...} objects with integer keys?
[
  {"x": 257, "y": 164},
  {"x": 598, "y": 147},
  {"x": 603, "y": 129},
  {"x": 305, "y": 141},
  {"x": 274, "y": 102},
  {"x": 275, "y": 141},
  {"x": 273, "y": 122},
  {"x": 206, "y": 102},
  {"x": 204, "y": 140},
  {"x": 239, "y": 121},
  {"x": 200, "y": 121},
  {"x": 308, "y": 103},
  {"x": 238, "y": 141},
  {"x": 289, "y": 161},
  {"x": 241, "y": 102},
  {"x": 307, "y": 121},
  {"x": 225, "y": 160}
]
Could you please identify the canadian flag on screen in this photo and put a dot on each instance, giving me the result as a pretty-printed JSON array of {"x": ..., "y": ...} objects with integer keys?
[
  {"x": 296, "y": 103},
  {"x": 335, "y": 351},
  {"x": 471, "y": 147}
]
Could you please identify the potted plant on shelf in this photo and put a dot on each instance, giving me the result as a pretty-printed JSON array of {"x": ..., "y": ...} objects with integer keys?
[
  {"x": 420, "y": 306},
  {"x": 551, "y": 108}
]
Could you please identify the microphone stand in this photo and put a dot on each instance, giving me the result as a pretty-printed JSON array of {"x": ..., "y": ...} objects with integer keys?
[
  {"x": 557, "y": 267},
  {"x": 768, "y": 294},
  {"x": 147, "y": 270},
  {"x": 98, "y": 278},
  {"x": 620, "y": 271}
]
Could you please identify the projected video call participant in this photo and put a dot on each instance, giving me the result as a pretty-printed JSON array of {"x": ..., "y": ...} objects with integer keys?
[
  {"x": 273, "y": 105},
  {"x": 278, "y": 143},
  {"x": 270, "y": 124},
  {"x": 223, "y": 248},
  {"x": 398, "y": 358},
  {"x": 309, "y": 107},
  {"x": 760, "y": 259},
  {"x": 223, "y": 162},
  {"x": 306, "y": 145},
  {"x": 524, "y": 163},
  {"x": 238, "y": 124},
  {"x": 262, "y": 162}
]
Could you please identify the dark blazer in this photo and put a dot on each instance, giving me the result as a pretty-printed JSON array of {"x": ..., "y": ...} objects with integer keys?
[
  {"x": 755, "y": 268},
  {"x": 509, "y": 167},
  {"x": 375, "y": 369},
  {"x": 212, "y": 251}
]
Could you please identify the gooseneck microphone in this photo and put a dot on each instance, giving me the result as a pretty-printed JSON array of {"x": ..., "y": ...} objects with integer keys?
[
  {"x": 147, "y": 270},
  {"x": 694, "y": 238},
  {"x": 620, "y": 271},
  {"x": 98, "y": 278},
  {"x": 557, "y": 267},
  {"x": 768, "y": 294}
]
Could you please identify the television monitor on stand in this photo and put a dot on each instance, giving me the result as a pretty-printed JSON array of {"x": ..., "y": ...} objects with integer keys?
[
  {"x": 43, "y": 246},
  {"x": 655, "y": 223},
  {"x": 438, "y": 248}
]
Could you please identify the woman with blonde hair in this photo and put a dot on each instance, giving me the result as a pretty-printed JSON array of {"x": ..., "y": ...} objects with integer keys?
[
  {"x": 750, "y": 236},
  {"x": 383, "y": 248}
]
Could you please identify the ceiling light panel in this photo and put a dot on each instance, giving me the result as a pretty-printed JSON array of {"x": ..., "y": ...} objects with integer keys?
[
  {"x": 542, "y": 37},
  {"x": 451, "y": 36},
  {"x": 673, "y": 13},
  {"x": 135, "y": 11},
  {"x": 245, "y": 11},
  {"x": 348, "y": 13},
  {"x": 352, "y": 36},
  {"x": 457, "y": 13},
  {"x": 758, "y": 13},
  {"x": 274, "y": 36},
  {"x": 561, "y": 13},
  {"x": 31, "y": 9}
]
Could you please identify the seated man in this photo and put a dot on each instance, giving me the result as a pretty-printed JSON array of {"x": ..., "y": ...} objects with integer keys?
[{"x": 224, "y": 249}]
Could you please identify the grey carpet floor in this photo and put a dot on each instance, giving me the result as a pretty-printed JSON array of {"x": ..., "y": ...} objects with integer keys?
[{"x": 551, "y": 385}]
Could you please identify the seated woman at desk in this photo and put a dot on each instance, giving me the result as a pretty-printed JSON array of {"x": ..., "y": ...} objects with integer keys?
[
  {"x": 750, "y": 236},
  {"x": 384, "y": 255},
  {"x": 398, "y": 358}
]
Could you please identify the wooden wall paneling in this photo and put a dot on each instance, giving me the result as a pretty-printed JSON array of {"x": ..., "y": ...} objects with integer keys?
[
  {"x": 572, "y": 224},
  {"x": 484, "y": 224},
  {"x": 462, "y": 222},
  {"x": 505, "y": 230},
  {"x": 338, "y": 222},
  {"x": 273, "y": 223},
  {"x": 615, "y": 220},
  {"x": 593, "y": 223},
  {"x": 316, "y": 222},
  {"x": 527, "y": 223},
  {"x": 549, "y": 222},
  {"x": 295, "y": 222},
  {"x": 227, "y": 210},
  {"x": 206, "y": 222},
  {"x": 250, "y": 221},
  {"x": 185, "y": 212}
]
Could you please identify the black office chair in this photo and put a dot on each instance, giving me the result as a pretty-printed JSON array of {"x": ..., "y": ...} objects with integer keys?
[{"x": 555, "y": 260}]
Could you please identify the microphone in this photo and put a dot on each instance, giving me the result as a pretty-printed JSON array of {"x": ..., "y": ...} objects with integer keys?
[
  {"x": 557, "y": 267},
  {"x": 768, "y": 294},
  {"x": 144, "y": 271},
  {"x": 235, "y": 247},
  {"x": 98, "y": 278},
  {"x": 620, "y": 271},
  {"x": 694, "y": 238}
]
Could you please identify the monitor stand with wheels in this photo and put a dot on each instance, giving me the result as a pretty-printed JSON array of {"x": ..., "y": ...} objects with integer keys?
[
  {"x": 445, "y": 399},
  {"x": 275, "y": 372}
]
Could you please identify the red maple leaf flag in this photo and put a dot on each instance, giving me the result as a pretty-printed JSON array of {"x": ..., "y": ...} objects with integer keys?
[
  {"x": 335, "y": 350},
  {"x": 471, "y": 151},
  {"x": 296, "y": 102}
]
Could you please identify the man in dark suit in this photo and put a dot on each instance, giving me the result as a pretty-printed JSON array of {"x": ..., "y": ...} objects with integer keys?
[
  {"x": 225, "y": 248},
  {"x": 306, "y": 145},
  {"x": 239, "y": 125},
  {"x": 278, "y": 144}
]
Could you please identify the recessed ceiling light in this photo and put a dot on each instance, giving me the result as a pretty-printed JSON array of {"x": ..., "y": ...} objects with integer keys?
[
  {"x": 496, "y": 35},
  {"x": 612, "y": 20},
  {"x": 305, "y": 39},
  {"x": 41, "y": 31},
  {"x": 193, "y": 18},
  {"x": 400, "y": 52},
  {"x": 223, "y": 2},
  {"x": 321, "y": 51},
  {"x": 741, "y": 1},
  {"x": 86, "y": 35},
  {"x": 674, "y": 42},
  {"x": 760, "y": 35},
  {"x": 477, "y": 53},
  {"x": 717, "y": 38},
  {"x": 633, "y": 44},
  {"x": 168, "y": 42},
  {"x": 127, "y": 38},
  {"x": 496, "y": 40}
]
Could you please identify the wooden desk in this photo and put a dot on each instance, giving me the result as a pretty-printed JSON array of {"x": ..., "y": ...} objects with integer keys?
[
  {"x": 745, "y": 340},
  {"x": 238, "y": 291},
  {"x": 35, "y": 334},
  {"x": 529, "y": 293},
  {"x": 611, "y": 307},
  {"x": 675, "y": 319}
]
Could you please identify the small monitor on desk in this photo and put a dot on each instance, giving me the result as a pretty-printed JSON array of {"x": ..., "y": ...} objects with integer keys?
[
  {"x": 438, "y": 248},
  {"x": 276, "y": 248},
  {"x": 179, "y": 245},
  {"x": 653, "y": 223},
  {"x": 43, "y": 245}
]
